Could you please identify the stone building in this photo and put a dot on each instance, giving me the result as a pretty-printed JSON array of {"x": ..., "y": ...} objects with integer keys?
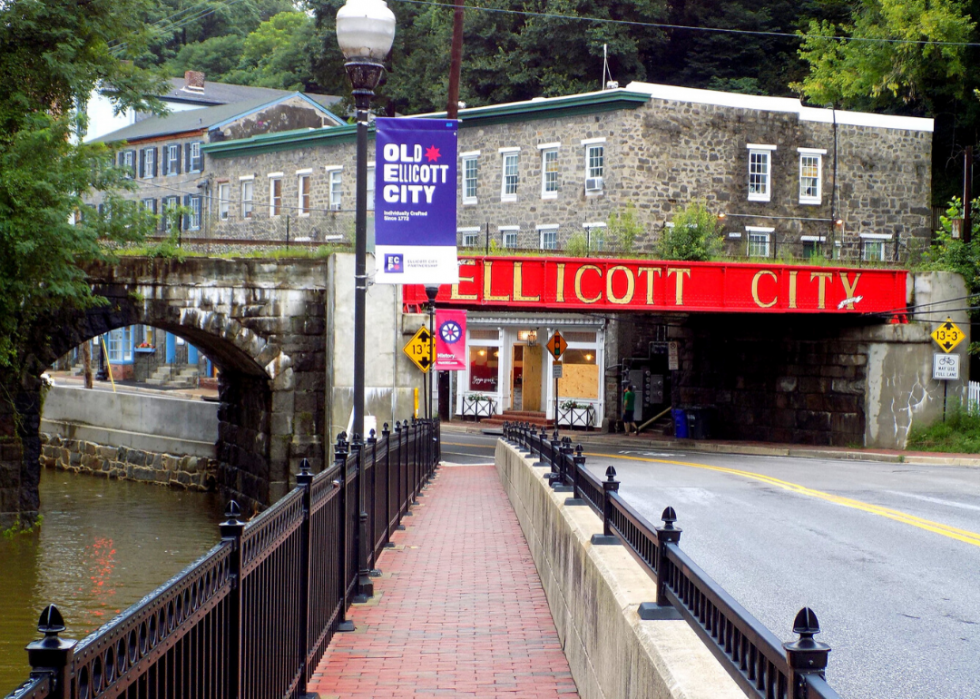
[
  {"x": 786, "y": 180},
  {"x": 165, "y": 157}
]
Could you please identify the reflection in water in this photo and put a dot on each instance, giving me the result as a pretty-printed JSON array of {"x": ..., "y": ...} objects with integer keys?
[{"x": 103, "y": 546}]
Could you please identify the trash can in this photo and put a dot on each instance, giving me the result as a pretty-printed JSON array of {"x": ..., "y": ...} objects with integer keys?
[
  {"x": 680, "y": 423},
  {"x": 698, "y": 420}
]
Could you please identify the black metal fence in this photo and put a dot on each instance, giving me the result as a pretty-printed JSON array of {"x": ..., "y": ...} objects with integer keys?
[
  {"x": 253, "y": 617},
  {"x": 758, "y": 661}
]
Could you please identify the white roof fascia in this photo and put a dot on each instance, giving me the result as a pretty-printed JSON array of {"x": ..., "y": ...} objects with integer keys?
[{"x": 781, "y": 104}]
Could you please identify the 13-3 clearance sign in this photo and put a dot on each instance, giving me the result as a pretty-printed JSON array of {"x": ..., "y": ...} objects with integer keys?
[{"x": 642, "y": 285}]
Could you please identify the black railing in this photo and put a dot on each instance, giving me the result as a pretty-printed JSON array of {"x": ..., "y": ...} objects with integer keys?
[
  {"x": 253, "y": 617},
  {"x": 758, "y": 661}
]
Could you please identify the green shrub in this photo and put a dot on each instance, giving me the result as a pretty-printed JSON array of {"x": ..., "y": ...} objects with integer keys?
[{"x": 695, "y": 236}]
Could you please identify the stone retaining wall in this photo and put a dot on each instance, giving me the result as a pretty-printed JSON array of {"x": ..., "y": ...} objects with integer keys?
[
  {"x": 79, "y": 456},
  {"x": 594, "y": 593}
]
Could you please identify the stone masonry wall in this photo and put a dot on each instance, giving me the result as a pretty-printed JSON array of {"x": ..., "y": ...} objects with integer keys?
[
  {"x": 176, "y": 470},
  {"x": 660, "y": 157},
  {"x": 797, "y": 380}
]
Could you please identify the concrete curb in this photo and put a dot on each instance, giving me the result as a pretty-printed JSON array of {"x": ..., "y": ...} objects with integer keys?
[
  {"x": 586, "y": 438},
  {"x": 594, "y": 593}
]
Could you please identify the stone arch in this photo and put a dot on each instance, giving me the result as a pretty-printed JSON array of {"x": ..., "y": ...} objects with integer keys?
[{"x": 249, "y": 329}]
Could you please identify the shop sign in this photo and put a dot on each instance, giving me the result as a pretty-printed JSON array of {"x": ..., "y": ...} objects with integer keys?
[
  {"x": 415, "y": 201},
  {"x": 419, "y": 349},
  {"x": 945, "y": 367},
  {"x": 450, "y": 340},
  {"x": 673, "y": 357},
  {"x": 948, "y": 335},
  {"x": 650, "y": 285}
]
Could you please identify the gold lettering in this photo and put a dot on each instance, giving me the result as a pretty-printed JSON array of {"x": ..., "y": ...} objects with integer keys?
[
  {"x": 822, "y": 290},
  {"x": 519, "y": 285},
  {"x": 792, "y": 289},
  {"x": 649, "y": 272},
  {"x": 456, "y": 296},
  {"x": 578, "y": 283},
  {"x": 487, "y": 296},
  {"x": 679, "y": 288},
  {"x": 630, "y": 285},
  {"x": 755, "y": 288},
  {"x": 849, "y": 289},
  {"x": 560, "y": 283}
]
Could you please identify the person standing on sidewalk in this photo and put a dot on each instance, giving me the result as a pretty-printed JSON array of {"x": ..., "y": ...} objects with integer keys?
[{"x": 629, "y": 402}]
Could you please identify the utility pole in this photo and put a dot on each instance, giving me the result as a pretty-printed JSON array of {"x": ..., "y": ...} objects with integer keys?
[
  {"x": 967, "y": 193},
  {"x": 455, "y": 62}
]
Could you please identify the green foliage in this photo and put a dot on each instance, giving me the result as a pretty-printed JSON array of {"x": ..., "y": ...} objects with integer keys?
[
  {"x": 19, "y": 529},
  {"x": 577, "y": 245},
  {"x": 952, "y": 254},
  {"x": 959, "y": 434},
  {"x": 623, "y": 229},
  {"x": 52, "y": 53},
  {"x": 873, "y": 73},
  {"x": 696, "y": 235}
]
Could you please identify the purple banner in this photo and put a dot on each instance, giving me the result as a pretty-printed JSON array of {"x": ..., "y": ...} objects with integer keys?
[{"x": 415, "y": 201}]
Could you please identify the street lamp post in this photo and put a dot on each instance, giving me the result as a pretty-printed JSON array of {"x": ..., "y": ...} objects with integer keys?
[
  {"x": 365, "y": 32},
  {"x": 431, "y": 292}
]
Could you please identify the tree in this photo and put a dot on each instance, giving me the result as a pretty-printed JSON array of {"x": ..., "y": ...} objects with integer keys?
[
  {"x": 53, "y": 56},
  {"x": 906, "y": 49},
  {"x": 276, "y": 54},
  {"x": 695, "y": 236}
]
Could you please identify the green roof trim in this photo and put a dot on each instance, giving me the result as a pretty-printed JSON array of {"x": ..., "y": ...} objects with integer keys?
[{"x": 551, "y": 108}]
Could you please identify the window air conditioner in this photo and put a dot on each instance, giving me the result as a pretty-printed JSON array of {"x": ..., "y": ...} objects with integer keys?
[
  {"x": 335, "y": 207},
  {"x": 593, "y": 184}
]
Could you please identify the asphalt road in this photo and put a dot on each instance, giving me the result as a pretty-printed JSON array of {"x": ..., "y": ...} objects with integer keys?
[{"x": 887, "y": 555}]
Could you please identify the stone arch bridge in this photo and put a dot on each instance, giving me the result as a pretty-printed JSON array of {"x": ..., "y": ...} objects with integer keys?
[{"x": 263, "y": 323}]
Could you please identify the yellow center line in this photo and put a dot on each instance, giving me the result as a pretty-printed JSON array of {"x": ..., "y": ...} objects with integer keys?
[
  {"x": 472, "y": 446},
  {"x": 963, "y": 535}
]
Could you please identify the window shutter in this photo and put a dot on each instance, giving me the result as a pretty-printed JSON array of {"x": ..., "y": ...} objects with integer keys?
[
  {"x": 187, "y": 217},
  {"x": 178, "y": 160},
  {"x": 188, "y": 165},
  {"x": 165, "y": 165},
  {"x": 142, "y": 163},
  {"x": 154, "y": 207},
  {"x": 156, "y": 160}
]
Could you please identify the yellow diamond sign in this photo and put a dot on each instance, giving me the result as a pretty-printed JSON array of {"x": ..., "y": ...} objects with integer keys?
[
  {"x": 419, "y": 349},
  {"x": 947, "y": 335}
]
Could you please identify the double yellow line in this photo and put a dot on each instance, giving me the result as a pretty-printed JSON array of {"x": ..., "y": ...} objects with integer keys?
[{"x": 963, "y": 535}]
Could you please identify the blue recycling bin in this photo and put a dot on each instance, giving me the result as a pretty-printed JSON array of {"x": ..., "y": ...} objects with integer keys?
[{"x": 680, "y": 423}]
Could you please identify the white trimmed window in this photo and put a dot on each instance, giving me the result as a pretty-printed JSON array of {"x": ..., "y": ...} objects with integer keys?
[
  {"x": 370, "y": 186},
  {"x": 248, "y": 190},
  {"x": 758, "y": 241},
  {"x": 333, "y": 187},
  {"x": 595, "y": 165},
  {"x": 469, "y": 237},
  {"x": 873, "y": 246},
  {"x": 149, "y": 163},
  {"x": 275, "y": 194},
  {"x": 760, "y": 172},
  {"x": 128, "y": 161},
  {"x": 470, "y": 173},
  {"x": 508, "y": 174},
  {"x": 508, "y": 236},
  {"x": 303, "y": 190},
  {"x": 548, "y": 237},
  {"x": 196, "y": 161},
  {"x": 224, "y": 201},
  {"x": 549, "y": 170},
  {"x": 811, "y": 174},
  {"x": 194, "y": 220},
  {"x": 172, "y": 166},
  {"x": 595, "y": 235},
  {"x": 169, "y": 206}
]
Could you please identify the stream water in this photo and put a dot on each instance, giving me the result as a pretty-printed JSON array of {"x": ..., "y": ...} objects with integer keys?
[{"x": 102, "y": 546}]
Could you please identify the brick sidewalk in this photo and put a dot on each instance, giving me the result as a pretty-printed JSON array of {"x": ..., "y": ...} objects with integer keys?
[{"x": 461, "y": 611}]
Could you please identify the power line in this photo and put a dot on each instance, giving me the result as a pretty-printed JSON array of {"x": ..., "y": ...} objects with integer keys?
[
  {"x": 183, "y": 22},
  {"x": 717, "y": 30}
]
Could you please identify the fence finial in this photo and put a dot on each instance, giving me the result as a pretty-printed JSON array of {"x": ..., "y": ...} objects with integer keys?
[
  {"x": 611, "y": 474},
  {"x": 51, "y": 622},
  {"x": 806, "y": 626},
  {"x": 669, "y": 517},
  {"x": 233, "y": 511},
  {"x": 304, "y": 467}
]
